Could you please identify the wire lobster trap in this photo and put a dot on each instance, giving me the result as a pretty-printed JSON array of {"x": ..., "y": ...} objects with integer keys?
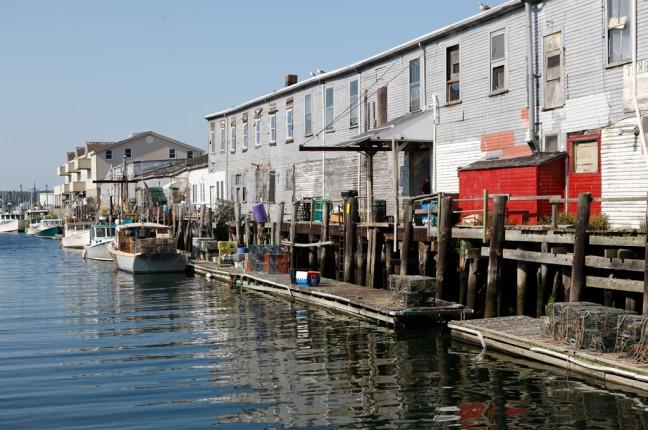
[{"x": 632, "y": 338}]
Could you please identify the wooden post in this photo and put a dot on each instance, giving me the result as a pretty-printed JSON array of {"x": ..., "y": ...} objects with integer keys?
[
  {"x": 445, "y": 243},
  {"x": 237, "y": 223},
  {"x": 493, "y": 287},
  {"x": 543, "y": 282},
  {"x": 281, "y": 221},
  {"x": 463, "y": 270},
  {"x": 485, "y": 218},
  {"x": 359, "y": 261},
  {"x": 407, "y": 238},
  {"x": 522, "y": 274},
  {"x": 473, "y": 273},
  {"x": 554, "y": 215},
  {"x": 373, "y": 277},
  {"x": 324, "y": 237},
  {"x": 173, "y": 220},
  {"x": 370, "y": 197},
  {"x": 389, "y": 252},
  {"x": 201, "y": 221},
  {"x": 350, "y": 217},
  {"x": 423, "y": 258},
  {"x": 580, "y": 246},
  {"x": 293, "y": 237}
]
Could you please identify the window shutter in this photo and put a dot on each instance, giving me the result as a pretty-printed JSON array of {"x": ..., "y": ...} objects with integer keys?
[{"x": 382, "y": 106}]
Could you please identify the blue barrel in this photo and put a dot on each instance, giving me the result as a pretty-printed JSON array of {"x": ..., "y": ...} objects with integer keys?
[{"x": 259, "y": 211}]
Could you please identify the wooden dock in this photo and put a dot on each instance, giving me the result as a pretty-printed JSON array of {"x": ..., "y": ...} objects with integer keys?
[
  {"x": 522, "y": 336},
  {"x": 375, "y": 305}
]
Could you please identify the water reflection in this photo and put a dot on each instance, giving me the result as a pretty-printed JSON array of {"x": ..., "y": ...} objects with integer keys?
[{"x": 82, "y": 345}]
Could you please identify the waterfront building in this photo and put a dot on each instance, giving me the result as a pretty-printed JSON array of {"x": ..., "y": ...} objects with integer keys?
[{"x": 521, "y": 77}]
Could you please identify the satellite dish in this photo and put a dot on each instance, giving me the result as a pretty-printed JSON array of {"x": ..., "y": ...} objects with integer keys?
[{"x": 149, "y": 139}]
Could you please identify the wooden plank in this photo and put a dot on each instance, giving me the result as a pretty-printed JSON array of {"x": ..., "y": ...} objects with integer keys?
[{"x": 616, "y": 284}]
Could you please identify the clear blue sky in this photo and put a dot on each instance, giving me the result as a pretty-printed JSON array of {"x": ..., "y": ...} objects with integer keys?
[{"x": 74, "y": 71}]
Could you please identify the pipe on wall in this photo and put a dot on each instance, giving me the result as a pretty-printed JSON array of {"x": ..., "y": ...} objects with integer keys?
[{"x": 532, "y": 139}]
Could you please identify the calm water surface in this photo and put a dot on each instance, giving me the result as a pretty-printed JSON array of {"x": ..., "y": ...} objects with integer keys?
[{"x": 83, "y": 346}]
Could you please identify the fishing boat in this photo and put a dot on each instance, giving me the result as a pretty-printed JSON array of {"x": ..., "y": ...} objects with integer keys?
[
  {"x": 33, "y": 218},
  {"x": 146, "y": 248},
  {"x": 11, "y": 223},
  {"x": 100, "y": 237},
  {"x": 50, "y": 229},
  {"x": 76, "y": 235}
]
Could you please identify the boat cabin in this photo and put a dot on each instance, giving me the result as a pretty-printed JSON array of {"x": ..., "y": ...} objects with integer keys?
[{"x": 143, "y": 238}]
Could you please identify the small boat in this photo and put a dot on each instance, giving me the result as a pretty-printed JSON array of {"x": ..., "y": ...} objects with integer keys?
[
  {"x": 146, "y": 248},
  {"x": 11, "y": 223},
  {"x": 76, "y": 235},
  {"x": 33, "y": 219},
  {"x": 50, "y": 229},
  {"x": 100, "y": 237}
]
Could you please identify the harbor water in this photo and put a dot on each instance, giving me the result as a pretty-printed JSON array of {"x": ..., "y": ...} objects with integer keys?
[{"x": 85, "y": 346}]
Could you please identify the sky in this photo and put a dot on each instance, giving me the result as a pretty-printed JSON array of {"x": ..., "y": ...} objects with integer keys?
[{"x": 77, "y": 71}]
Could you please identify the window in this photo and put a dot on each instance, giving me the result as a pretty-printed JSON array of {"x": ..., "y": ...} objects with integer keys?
[
  {"x": 233, "y": 137},
  {"x": 289, "y": 124},
  {"x": 353, "y": 104},
  {"x": 329, "y": 109},
  {"x": 585, "y": 157},
  {"x": 194, "y": 193},
  {"x": 308, "y": 116},
  {"x": 222, "y": 138},
  {"x": 271, "y": 188},
  {"x": 257, "y": 132},
  {"x": 244, "y": 147},
  {"x": 109, "y": 154},
  {"x": 128, "y": 153},
  {"x": 619, "y": 31},
  {"x": 189, "y": 154},
  {"x": 172, "y": 153},
  {"x": 273, "y": 128},
  {"x": 498, "y": 61},
  {"x": 212, "y": 192},
  {"x": 553, "y": 88},
  {"x": 551, "y": 143},
  {"x": 453, "y": 88},
  {"x": 202, "y": 193},
  {"x": 415, "y": 85},
  {"x": 212, "y": 137}
]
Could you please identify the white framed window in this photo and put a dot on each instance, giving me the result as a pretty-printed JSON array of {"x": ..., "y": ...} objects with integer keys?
[
  {"x": 329, "y": 109},
  {"x": 257, "y": 132},
  {"x": 233, "y": 138},
  {"x": 453, "y": 77},
  {"x": 212, "y": 137},
  {"x": 354, "y": 117},
  {"x": 585, "y": 157},
  {"x": 109, "y": 154},
  {"x": 415, "y": 85},
  {"x": 553, "y": 71},
  {"x": 244, "y": 146},
  {"x": 128, "y": 153},
  {"x": 289, "y": 124},
  {"x": 172, "y": 153},
  {"x": 498, "y": 61},
  {"x": 202, "y": 193},
  {"x": 273, "y": 128},
  {"x": 550, "y": 142},
  {"x": 222, "y": 138},
  {"x": 189, "y": 154},
  {"x": 619, "y": 31},
  {"x": 308, "y": 115}
]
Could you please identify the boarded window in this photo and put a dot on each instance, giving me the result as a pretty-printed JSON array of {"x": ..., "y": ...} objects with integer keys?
[
  {"x": 271, "y": 187},
  {"x": 415, "y": 85},
  {"x": 498, "y": 61},
  {"x": 308, "y": 115},
  {"x": 585, "y": 157},
  {"x": 353, "y": 104},
  {"x": 551, "y": 143},
  {"x": 453, "y": 91},
  {"x": 619, "y": 31},
  {"x": 553, "y": 71},
  {"x": 329, "y": 109},
  {"x": 382, "y": 107}
]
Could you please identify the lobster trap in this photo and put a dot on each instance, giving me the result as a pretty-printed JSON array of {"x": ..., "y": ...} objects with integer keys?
[{"x": 632, "y": 338}]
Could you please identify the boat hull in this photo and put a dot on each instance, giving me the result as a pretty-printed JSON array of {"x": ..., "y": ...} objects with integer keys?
[
  {"x": 149, "y": 263},
  {"x": 77, "y": 240},
  {"x": 33, "y": 229},
  {"x": 12, "y": 225},
  {"x": 54, "y": 232},
  {"x": 98, "y": 251}
]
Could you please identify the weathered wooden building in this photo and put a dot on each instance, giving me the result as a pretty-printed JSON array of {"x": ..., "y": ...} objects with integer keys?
[{"x": 552, "y": 75}]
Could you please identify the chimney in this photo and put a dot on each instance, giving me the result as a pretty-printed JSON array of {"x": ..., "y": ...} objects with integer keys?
[{"x": 290, "y": 80}]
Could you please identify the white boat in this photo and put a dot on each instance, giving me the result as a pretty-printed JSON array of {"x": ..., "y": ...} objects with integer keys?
[
  {"x": 146, "y": 248},
  {"x": 33, "y": 218},
  {"x": 76, "y": 235},
  {"x": 50, "y": 229},
  {"x": 11, "y": 223},
  {"x": 100, "y": 237}
]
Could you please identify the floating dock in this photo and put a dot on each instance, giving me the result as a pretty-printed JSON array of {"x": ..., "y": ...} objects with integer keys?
[
  {"x": 523, "y": 336},
  {"x": 370, "y": 304}
]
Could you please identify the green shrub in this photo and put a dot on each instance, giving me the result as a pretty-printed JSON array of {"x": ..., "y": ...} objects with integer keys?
[{"x": 598, "y": 222}]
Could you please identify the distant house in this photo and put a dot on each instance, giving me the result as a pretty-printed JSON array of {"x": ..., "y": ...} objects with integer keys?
[{"x": 95, "y": 161}]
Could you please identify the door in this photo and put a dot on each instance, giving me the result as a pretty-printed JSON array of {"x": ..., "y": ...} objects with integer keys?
[
  {"x": 419, "y": 170},
  {"x": 584, "y": 168}
]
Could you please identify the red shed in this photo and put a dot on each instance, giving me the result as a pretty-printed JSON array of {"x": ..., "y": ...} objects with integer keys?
[{"x": 535, "y": 175}]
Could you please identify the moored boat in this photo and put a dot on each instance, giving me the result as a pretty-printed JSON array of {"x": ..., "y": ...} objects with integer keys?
[
  {"x": 11, "y": 223},
  {"x": 76, "y": 235},
  {"x": 50, "y": 229},
  {"x": 100, "y": 237},
  {"x": 33, "y": 218},
  {"x": 146, "y": 248}
]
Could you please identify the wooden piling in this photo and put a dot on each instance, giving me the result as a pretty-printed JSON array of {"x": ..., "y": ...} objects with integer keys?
[
  {"x": 495, "y": 257},
  {"x": 445, "y": 244},
  {"x": 543, "y": 282},
  {"x": 521, "y": 278},
  {"x": 350, "y": 218},
  {"x": 580, "y": 246},
  {"x": 464, "y": 245},
  {"x": 407, "y": 238},
  {"x": 423, "y": 258},
  {"x": 237, "y": 224},
  {"x": 293, "y": 237},
  {"x": 373, "y": 276},
  {"x": 324, "y": 237},
  {"x": 471, "y": 293},
  {"x": 281, "y": 221}
]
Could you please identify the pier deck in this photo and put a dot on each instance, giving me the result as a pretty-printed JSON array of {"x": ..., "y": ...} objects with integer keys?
[
  {"x": 523, "y": 336},
  {"x": 370, "y": 304}
]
